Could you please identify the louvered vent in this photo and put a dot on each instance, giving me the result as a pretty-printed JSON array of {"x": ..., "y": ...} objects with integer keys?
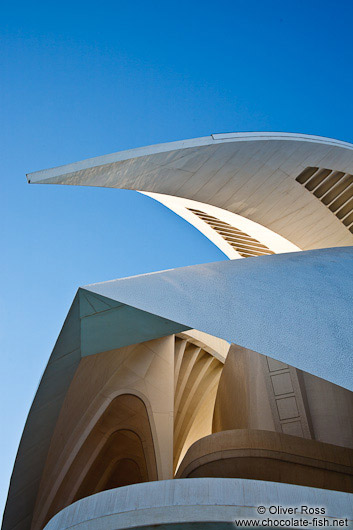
[
  {"x": 244, "y": 244},
  {"x": 332, "y": 188}
]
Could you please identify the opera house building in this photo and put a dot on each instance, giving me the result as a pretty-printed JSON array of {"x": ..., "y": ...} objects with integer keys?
[{"x": 216, "y": 395}]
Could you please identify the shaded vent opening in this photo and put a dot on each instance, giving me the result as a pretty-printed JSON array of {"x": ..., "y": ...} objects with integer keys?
[
  {"x": 244, "y": 244},
  {"x": 333, "y": 188}
]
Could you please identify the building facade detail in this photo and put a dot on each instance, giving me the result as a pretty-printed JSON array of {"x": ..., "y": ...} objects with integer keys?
[{"x": 186, "y": 398}]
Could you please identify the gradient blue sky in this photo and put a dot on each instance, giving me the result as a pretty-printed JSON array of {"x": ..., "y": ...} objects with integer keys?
[{"x": 81, "y": 79}]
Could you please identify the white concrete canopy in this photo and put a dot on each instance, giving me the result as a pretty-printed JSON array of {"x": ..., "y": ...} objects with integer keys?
[
  {"x": 295, "y": 307},
  {"x": 250, "y": 174}
]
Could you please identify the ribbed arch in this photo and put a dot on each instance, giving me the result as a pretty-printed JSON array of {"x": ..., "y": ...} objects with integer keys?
[
  {"x": 197, "y": 374},
  {"x": 100, "y": 387},
  {"x": 110, "y": 456},
  {"x": 120, "y": 462}
]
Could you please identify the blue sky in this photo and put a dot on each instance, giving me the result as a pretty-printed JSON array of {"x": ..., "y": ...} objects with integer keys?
[{"x": 81, "y": 79}]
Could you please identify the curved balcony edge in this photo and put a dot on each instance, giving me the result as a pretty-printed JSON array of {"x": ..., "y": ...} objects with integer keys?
[{"x": 200, "y": 501}]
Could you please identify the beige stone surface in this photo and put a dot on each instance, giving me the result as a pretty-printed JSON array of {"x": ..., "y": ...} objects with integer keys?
[
  {"x": 197, "y": 374},
  {"x": 331, "y": 410},
  {"x": 266, "y": 455},
  {"x": 142, "y": 412},
  {"x": 257, "y": 392},
  {"x": 143, "y": 376},
  {"x": 122, "y": 421}
]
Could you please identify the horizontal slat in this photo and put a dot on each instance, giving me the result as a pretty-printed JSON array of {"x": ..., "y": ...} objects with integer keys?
[
  {"x": 328, "y": 183},
  {"x": 244, "y": 244},
  {"x": 348, "y": 220},
  {"x": 306, "y": 174},
  {"x": 342, "y": 184},
  {"x": 317, "y": 179},
  {"x": 333, "y": 188},
  {"x": 341, "y": 201},
  {"x": 345, "y": 210}
]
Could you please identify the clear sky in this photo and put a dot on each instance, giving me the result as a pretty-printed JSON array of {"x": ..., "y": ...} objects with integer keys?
[{"x": 81, "y": 79}]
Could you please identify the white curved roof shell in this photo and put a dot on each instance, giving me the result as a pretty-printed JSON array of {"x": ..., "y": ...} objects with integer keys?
[
  {"x": 295, "y": 307},
  {"x": 250, "y": 174}
]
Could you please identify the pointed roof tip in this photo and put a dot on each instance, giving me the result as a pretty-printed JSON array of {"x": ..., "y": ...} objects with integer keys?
[{"x": 154, "y": 149}]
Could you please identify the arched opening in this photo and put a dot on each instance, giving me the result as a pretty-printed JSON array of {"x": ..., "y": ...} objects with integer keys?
[
  {"x": 118, "y": 451},
  {"x": 120, "y": 462}
]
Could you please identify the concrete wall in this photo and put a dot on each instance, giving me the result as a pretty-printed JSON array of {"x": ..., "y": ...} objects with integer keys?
[
  {"x": 258, "y": 392},
  {"x": 187, "y": 501}
]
